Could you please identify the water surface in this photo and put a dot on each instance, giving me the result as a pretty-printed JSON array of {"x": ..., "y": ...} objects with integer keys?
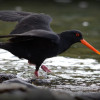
[
  {"x": 77, "y": 69},
  {"x": 68, "y": 74}
]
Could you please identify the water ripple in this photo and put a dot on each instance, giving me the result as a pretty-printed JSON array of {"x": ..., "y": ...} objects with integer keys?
[{"x": 67, "y": 73}]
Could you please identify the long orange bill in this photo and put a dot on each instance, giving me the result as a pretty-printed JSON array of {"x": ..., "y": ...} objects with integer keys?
[{"x": 89, "y": 46}]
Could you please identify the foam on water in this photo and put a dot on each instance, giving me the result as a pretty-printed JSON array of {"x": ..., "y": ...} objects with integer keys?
[{"x": 67, "y": 72}]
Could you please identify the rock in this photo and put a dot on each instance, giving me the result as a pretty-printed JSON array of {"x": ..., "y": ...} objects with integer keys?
[
  {"x": 20, "y": 91},
  {"x": 19, "y": 81},
  {"x": 4, "y": 77},
  {"x": 39, "y": 82},
  {"x": 23, "y": 93},
  {"x": 88, "y": 96},
  {"x": 13, "y": 88},
  {"x": 7, "y": 88}
]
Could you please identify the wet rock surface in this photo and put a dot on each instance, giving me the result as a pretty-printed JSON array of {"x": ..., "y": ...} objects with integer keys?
[
  {"x": 13, "y": 88},
  {"x": 4, "y": 77}
]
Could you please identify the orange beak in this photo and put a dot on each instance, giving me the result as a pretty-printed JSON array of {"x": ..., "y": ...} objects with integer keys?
[{"x": 89, "y": 46}]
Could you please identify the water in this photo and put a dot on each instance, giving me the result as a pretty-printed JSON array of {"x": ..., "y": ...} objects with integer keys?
[
  {"x": 68, "y": 74},
  {"x": 77, "y": 69}
]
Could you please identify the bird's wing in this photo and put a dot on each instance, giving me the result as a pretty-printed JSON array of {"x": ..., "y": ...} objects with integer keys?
[
  {"x": 31, "y": 34},
  {"x": 33, "y": 22},
  {"x": 13, "y": 15},
  {"x": 27, "y": 21}
]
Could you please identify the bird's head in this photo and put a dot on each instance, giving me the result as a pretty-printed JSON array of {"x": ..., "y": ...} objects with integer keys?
[{"x": 76, "y": 36}]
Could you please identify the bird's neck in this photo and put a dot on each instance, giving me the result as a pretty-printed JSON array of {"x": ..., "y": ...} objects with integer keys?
[{"x": 64, "y": 43}]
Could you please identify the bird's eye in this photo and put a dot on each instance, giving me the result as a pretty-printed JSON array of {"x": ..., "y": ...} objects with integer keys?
[{"x": 77, "y": 34}]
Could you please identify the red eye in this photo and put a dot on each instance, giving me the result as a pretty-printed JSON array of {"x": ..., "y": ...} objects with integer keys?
[{"x": 77, "y": 34}]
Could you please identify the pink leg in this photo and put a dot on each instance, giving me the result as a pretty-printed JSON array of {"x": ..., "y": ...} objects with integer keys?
[
  {"x": 45, "y": 68},
  {"x": 36, "y": 73}
]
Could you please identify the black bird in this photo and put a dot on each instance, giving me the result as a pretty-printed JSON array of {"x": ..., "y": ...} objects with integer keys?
[{"x": 34, "y": 40}]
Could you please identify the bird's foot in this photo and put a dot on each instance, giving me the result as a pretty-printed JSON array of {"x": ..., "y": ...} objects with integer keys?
[{"x": 45, "y": 68}]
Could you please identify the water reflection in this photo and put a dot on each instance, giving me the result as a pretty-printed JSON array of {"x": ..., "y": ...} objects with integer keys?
[{"x": 67, "y": 73}]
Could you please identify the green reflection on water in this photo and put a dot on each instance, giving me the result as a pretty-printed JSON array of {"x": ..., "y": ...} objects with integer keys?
[{"x": 65, "y": 17}]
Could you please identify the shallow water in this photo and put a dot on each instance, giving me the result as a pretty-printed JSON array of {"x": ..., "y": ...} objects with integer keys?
[
  {"x": 79, "y": 69},
  {"x": 68, "y": 74}
]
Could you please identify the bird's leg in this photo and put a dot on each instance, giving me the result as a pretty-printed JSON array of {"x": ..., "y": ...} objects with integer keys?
[
  {"x": 45, "y": 68},
  {"x": 36, "y": 71}
]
